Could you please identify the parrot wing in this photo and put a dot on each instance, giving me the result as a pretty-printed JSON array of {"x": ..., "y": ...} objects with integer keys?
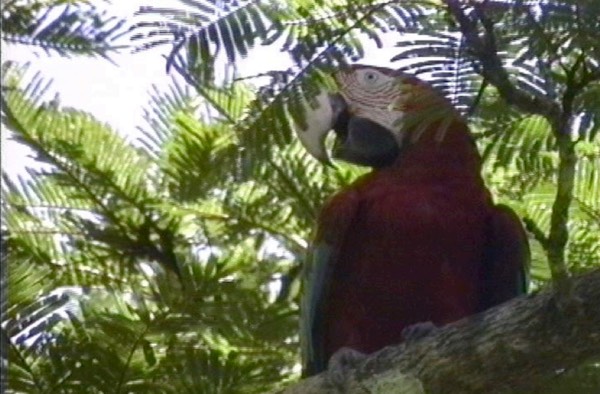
[
  {"x": 334, "y": 221},
  {"x": 506, "y": 260}
]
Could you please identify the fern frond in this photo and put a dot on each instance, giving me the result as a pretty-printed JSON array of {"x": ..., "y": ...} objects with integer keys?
[
  {"x": 525, "y": 149},
  {"x": 587, "y": 186},
  {"x": 160, "y": 114},
  {"x": 212, "y": 150},
  {"x": 64, "y": 30},
  {"x": 444, "y": 61},
  {"x": 206, "y": 29},
  {"x": 86, "y": 159},
  {"x": 589, "y": 105}
]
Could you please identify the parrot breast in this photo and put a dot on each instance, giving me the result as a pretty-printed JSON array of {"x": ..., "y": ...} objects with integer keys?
[{"x": 413, "y": 250}]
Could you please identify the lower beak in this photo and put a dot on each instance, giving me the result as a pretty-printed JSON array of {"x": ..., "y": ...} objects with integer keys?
[{"x": 364, "y": 142}]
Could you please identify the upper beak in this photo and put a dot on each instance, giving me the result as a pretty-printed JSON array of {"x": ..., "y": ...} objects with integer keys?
[{"x": 319, "y": 121}]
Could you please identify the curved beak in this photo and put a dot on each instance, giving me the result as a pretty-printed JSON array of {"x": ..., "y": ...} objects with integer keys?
[{"x": 320, "y": 120}]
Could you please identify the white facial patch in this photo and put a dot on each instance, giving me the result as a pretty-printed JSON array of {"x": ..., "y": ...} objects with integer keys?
[{"x": 376, "y": 96}]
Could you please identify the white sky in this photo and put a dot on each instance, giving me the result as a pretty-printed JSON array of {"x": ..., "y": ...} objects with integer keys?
[{"x": 117, "y": 94}]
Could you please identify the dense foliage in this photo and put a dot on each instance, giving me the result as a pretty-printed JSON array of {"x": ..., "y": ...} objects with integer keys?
[{"x": 171, "y": 265}]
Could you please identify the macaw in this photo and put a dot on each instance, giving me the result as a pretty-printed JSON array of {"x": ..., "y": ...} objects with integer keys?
[{"x": 418, "y": 239}]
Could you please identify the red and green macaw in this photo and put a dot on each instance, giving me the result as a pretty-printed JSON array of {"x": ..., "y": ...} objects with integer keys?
[{"x": 416, "y": 240}]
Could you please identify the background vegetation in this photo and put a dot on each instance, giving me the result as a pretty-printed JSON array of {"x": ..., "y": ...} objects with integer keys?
[{"x": 170, "y": 265}]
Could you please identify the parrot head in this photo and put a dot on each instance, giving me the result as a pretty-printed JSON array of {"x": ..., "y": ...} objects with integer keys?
[{"x": 374, "y": 113}]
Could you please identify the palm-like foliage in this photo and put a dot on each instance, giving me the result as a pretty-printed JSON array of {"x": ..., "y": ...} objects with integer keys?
[
  {"x": 61, "y": 27},
  {"x": 135, "y": 225},
  {"x": 171, "y": 265}
]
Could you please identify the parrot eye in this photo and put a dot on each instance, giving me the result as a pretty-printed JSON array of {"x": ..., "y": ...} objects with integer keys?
[{"x": 370, "y": 77}]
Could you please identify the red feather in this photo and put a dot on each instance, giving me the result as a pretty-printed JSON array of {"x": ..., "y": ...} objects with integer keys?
[{"x": 410, "y": 245}]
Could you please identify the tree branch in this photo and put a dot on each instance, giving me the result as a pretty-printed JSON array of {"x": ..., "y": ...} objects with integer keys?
[
  {"x": 559, "y": 115},
  {"x": 514, "y": 346},
  {"x": 484, "y": 48},
  {"x": 559, "y": 232}
]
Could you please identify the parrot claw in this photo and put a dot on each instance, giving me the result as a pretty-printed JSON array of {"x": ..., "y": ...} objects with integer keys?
[
  {"x": 340, "y": 364},
  {"x": 416, "y": 331}
]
